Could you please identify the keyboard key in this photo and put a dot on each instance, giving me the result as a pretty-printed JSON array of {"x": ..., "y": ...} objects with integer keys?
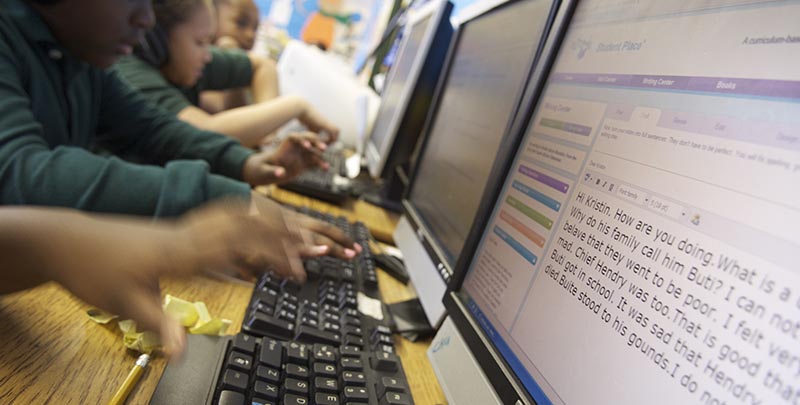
[
  {"x": 263, "y": 308},
  {"x": 309, "y": 306},
  {"x": 288, "y": 306},
  {"x": 311, "y": 312},
  {"x": 383, "y": 361},
  {"x": 355, "y": 331},
  {"x": 330, "y": 273},
  {"x": 330, "y": 299},
  {"x": 381, "y": 339},
  {"x": 390, "y": 384},
  {"x": 230, "y": 398},
  {"x": 287, "y": 298},
  {"x": 322, "y": 384},
  {"x": 295, "y": 386},
  {"x": 331, "y": 327},
  {"x": 240, "y": 361},
  {"x": 290, "y": 399},
  {"x": 297, "y": 353},
  {"x": 266, "y": 390},
  {"x": 352, "y": 364},
  {"x": 325, "y": 370},
  {"x": 396, "y": 398},
  {"x": 295, "y": 371},
  {"x": 306, "y": 333},
  {"x": 271, "y": 353},
  {"x": 352, "y": 340},
  {"x": 385, "y": 348},
  {"x": 348, "y": 275},
  {"x": 330, "y": 317},
  {"x": 245, "y": 343},
  {"x": 350, "y": 351},
  {"x": 356, "y": 394},
  {"x": 234, "y": 380},
  {"x": 268, "y": 281},
  {"x": 349, "y": 302},
  {"x": 324, "y": 353},
  {"x": 313, "y": 268},
  {"x": 260, "y": 401},
  {"x": 326, "y": 399},
  {"x": 352, "y": 321},
  {"x": 268, "y": 374},
  {"x": 266, "y": 296},
  {"x": 286, "y": 315},
  {"x": 383, "y": 329},
  {"x": 308, "y": 321},
  {"x": 269, "y": 326},
  {"x": 353, "y": 378}
]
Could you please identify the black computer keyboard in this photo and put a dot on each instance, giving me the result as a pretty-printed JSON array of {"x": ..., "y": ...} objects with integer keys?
[
  {"x": 243, "y": 369},
  {"x": 325, "y": 308},
  {"x": 331, "y": 185},
  {"x": 304, "y": 344}
]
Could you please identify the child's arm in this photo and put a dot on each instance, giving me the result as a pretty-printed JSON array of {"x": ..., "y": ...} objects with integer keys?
[
  {"x": 252, "y": 123},
  {"x": 115, "y": 262}
]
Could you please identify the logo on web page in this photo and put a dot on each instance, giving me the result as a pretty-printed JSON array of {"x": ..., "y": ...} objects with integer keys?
[{"x": 581, "y": 46}]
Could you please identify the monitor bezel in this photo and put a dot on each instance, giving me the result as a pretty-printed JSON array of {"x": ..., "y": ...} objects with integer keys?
[
  {"x": 507, "y": 385},
  {"x": 434, "y": 249},
  {"x": 437, "y": 10}
]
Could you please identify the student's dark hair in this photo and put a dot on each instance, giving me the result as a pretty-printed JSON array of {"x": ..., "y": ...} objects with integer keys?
[
  {"x": 169, "y": 14},
  {"x": 45, "y": 2}
]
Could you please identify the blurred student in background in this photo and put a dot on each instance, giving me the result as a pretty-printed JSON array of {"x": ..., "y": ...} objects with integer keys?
[{"x": 177, "y": 62}]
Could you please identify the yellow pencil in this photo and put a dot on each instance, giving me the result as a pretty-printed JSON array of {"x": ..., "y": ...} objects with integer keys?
[{"x": 131, "y": 380}]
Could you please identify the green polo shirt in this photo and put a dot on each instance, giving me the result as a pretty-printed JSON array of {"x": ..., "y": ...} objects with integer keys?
[
  {"x": 53, "y": 106},
  {"x": 228, "y": 69}
]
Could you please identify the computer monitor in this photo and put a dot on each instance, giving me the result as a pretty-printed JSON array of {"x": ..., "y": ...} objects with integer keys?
[
  {"x": 409, "y": 88},
  {"x": 642, "y": 248},
  {"x": 479, "y": 92}
]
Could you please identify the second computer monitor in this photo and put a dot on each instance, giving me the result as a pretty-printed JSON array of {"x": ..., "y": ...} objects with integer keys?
[
  {"x": 409, "y": 88},
  {"x": 477, "y": 99}
]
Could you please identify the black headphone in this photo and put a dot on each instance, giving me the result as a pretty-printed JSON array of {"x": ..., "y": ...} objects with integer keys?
[{"x": 154, "y": 49}]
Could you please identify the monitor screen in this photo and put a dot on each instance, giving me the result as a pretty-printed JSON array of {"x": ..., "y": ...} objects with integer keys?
[
  {"x": 400, "y": 80},
  {"x": 643, "y": 246},
  {"x": 488, "y": 70}
]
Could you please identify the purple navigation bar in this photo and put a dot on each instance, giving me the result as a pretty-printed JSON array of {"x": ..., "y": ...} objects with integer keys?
[
  {"x": 723, "y": 85},
  {"x": 544, "y": 179}
]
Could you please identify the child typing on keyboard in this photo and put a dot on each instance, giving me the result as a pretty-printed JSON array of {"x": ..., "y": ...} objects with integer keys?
[
  {"x": 57, "y": 100},
  {"x": 115, "y": 262}
]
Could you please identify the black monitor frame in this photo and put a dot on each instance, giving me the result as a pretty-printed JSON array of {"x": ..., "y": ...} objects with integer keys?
[
  {"x": 505, "y": 383},
  {"x": 404, "y": 126},
  {"x": 505, "y": 151}
]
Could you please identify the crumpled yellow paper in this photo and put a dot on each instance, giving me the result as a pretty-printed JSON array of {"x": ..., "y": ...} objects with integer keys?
[{"x": 193, "y": 315}]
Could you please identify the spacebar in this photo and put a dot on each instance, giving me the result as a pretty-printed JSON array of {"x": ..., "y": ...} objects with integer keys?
[{"x": 306, "y": 333}]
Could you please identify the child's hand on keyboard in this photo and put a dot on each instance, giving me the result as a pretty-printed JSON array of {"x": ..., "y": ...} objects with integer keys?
[
  {"x": 296, "y": 154},
  {"x": 326, "y": 239},
  {"x": 315, "y": 122},
  {"x": 302, "y": 237}
]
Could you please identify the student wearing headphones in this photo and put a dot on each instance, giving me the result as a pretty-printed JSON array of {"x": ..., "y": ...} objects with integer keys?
[
  {"x": 56, "y": 99},
  {"x": 177, "y": 62},
  {"x": 115, "y": 262}
]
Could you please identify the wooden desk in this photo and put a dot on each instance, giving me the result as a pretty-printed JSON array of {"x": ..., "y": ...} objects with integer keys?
[
  {"x": 50, "y": 352},
  {"x": 379, "y": 221}
]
